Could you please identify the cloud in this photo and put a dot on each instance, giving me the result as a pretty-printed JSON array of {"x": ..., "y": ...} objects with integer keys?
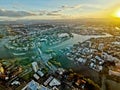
[
  {"x": 50, "y": 13},
  {"x": 57, "y": 11},
  {"x": 11, "y": 13},
  {"x": 80, "y": 6},
  {"x": 42, "y": 12},
  {"x": 14, "y": 14},
  {"x": 90, "y": 6},
  {"x": 54, "y": 14},
  {"x": 64, "y": 7}
]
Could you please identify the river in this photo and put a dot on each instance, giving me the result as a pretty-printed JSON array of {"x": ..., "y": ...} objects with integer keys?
[{"x": 77, "y": 38}]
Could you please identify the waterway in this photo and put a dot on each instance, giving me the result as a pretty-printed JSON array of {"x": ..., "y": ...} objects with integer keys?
[
  {"x": 76, "y": 38},
  {"x": 4, "y": 53}
]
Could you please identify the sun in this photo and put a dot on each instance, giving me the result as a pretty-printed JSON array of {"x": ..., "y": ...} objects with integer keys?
[{"x": 117, "y": 14}]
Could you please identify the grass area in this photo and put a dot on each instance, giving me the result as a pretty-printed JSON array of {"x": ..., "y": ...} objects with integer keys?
[
  {"x": 113, "y": 78},
  {"x": 55, "y": 62},
  {"x": 45, "y": 70},
  {"x": 96, "y": 86},
  {"x": 1, "y": 36},
  {"x": 112, "y": 85},
  {"x": 2, "y": 88},
  {"x": 28, "y": 76},
  {"x": 23, "y": 61}
]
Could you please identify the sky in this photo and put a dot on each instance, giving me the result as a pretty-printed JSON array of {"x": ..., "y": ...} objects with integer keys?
[{"x": 56, "y": 9}]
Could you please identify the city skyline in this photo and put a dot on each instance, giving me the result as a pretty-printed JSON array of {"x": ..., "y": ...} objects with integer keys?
[{"x": 54, "y": 9}]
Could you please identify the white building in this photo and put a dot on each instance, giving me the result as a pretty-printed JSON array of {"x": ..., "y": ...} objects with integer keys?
[
  {"x": 36, "y": 76},
  {"x": 54, "y": 82},
  {"x": 101, "y": 46},
  {"x": 40, "y": 73},
  {"x": 35, "y": 66}
]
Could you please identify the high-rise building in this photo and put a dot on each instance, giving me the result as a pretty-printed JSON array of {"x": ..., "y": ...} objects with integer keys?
[{"x": 35, "y": 66}]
